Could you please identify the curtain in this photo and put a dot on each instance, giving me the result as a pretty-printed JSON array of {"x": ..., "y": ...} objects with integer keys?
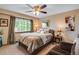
[{"x": 11, "y": 37}]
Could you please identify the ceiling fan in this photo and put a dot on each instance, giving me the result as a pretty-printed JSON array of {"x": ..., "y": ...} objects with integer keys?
[{"x": 37, "y": 9}]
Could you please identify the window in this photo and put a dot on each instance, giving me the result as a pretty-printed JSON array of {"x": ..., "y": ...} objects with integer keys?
[
  {"x": 23, "y": 25},
  {"x": 44, "y": 24}
]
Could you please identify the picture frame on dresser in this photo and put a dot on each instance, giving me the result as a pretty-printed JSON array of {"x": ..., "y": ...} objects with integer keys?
[{"x": 3, "y": 22}]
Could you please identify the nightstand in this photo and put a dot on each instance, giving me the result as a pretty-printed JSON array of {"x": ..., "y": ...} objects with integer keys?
[{"x": 58, "y": 38}]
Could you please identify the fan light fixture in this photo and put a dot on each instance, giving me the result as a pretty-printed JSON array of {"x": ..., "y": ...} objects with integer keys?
[{"x": 36, "y": 10}]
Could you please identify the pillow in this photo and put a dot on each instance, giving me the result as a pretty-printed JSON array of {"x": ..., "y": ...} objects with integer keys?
[
  {"x": 46, "y": 30},
  {"x": 41, "y": 30},
  {"x": 38, "y": 31}
]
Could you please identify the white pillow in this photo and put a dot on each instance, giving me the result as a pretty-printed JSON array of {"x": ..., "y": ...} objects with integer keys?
[{"x": 40, "y": 30}]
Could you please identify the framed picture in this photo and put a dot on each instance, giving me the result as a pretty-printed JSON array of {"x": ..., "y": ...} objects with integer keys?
[
  {"x": 3, "y": 22},
  {"x": 70, "y": 23}
]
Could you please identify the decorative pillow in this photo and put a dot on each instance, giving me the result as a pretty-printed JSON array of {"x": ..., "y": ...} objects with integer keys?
[{"x": 41, "y": 30}]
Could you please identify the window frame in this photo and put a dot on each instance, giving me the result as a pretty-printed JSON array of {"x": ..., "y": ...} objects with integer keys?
[{"x": 25, "y": 19}]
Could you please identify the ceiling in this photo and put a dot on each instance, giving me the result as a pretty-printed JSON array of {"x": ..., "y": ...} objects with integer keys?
[{"x": 51, "y": 8}]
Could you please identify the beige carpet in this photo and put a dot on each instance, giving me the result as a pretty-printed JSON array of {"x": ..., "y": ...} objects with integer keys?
[{"x": 14, "y": 49}]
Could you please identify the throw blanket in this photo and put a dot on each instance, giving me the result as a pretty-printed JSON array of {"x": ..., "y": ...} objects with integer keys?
[{"x": 33, "y": 42}]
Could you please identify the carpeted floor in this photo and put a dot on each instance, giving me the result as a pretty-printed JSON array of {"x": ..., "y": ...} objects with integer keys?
[{"x": 14, "y": 49}]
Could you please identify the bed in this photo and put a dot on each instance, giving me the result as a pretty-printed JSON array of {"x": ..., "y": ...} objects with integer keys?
[{"x": 33, "y": 41}]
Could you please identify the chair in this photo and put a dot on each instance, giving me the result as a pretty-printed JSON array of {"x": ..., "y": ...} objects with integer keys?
[{"x": 64, "y": 48}]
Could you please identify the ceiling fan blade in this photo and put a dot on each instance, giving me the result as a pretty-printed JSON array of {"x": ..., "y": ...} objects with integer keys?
[
  {"x": 43, "y": 6},
  {"x": 28, "y": 11},
  {"x": 29, "y": 6},
  {"x": 43, "y": 12}
]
